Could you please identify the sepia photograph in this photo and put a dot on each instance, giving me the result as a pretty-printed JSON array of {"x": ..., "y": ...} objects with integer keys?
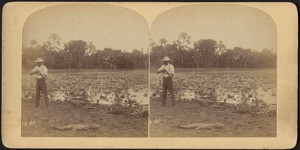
[
  {"x": 213, "y": 72},
  {"x": 149, "y": 75},
  {"x": 84, "y": 72}
]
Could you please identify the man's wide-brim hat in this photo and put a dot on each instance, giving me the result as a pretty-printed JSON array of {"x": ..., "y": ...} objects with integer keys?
[
  {"x": 166, "y": 58},
  {"x": 39, "y": 60}
]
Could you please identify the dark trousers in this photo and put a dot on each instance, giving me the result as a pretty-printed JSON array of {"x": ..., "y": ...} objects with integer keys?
[
  {"x": 168, "y": 86},
  {"x": 41, "y": 87}
]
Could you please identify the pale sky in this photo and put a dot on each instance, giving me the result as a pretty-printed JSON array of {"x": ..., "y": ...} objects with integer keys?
[
  {"x": 235, "y": 25},
  {"x": 121, "y": 28},
  {"x": 104, "y": 25}
]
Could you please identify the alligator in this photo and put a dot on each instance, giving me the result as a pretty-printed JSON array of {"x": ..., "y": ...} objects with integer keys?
[{"x": 200, "y": 126}]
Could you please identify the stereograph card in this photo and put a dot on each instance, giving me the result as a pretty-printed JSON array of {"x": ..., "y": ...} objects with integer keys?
[{"x": 149, "y": 75}]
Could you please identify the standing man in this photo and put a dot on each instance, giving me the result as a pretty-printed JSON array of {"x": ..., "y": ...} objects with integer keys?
[
  {"x": 168, "y": 72},
  {"x": 41, "y": 73}
]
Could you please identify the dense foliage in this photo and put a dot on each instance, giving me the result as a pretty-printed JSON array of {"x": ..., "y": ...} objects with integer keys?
[
  {"x": 205, "y": 53},
  {"x": 208, "y": 53},
  {"x": 78, "y": 54}
]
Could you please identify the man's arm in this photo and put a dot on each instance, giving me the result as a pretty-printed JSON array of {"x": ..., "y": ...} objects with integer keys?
[
  {"x": 44, "y": 72},
  {"x": 172, "y": 70},
  {"x": 33, "y": 71},
  {"x": 160, "y": 70}
]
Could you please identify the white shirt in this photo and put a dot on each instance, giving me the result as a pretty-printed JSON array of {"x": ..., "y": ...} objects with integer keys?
[
  {"x": 169, "y": 68},
  {"x": 42, "y": 71}
]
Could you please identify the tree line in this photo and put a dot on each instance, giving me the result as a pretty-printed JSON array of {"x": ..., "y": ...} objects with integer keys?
[
  {"x": 208, "y": 53},
  {"x": 204, "y": 53},
  {"x": 79, "y": 54}
]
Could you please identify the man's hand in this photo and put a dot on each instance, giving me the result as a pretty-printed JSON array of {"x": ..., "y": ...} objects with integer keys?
[
  {"x": 35, "y": 71},
  {"x": 163, "y": 70},
  {"x": 38, "y": 71}
]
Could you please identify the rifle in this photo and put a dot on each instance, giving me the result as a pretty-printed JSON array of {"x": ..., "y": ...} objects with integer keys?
[
  {"x": 170, "y": 74},
  {"x": 39, "y": 73}
]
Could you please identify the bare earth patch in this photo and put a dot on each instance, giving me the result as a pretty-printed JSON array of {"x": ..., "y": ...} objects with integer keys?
[
  {"x": 92, "y": 120},
  {"x": 251, "y": 124}
]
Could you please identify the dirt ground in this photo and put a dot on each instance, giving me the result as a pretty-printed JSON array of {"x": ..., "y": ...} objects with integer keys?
[
  {"x": 236, "y": 124},
  {"x": 37, "y": 122}
]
